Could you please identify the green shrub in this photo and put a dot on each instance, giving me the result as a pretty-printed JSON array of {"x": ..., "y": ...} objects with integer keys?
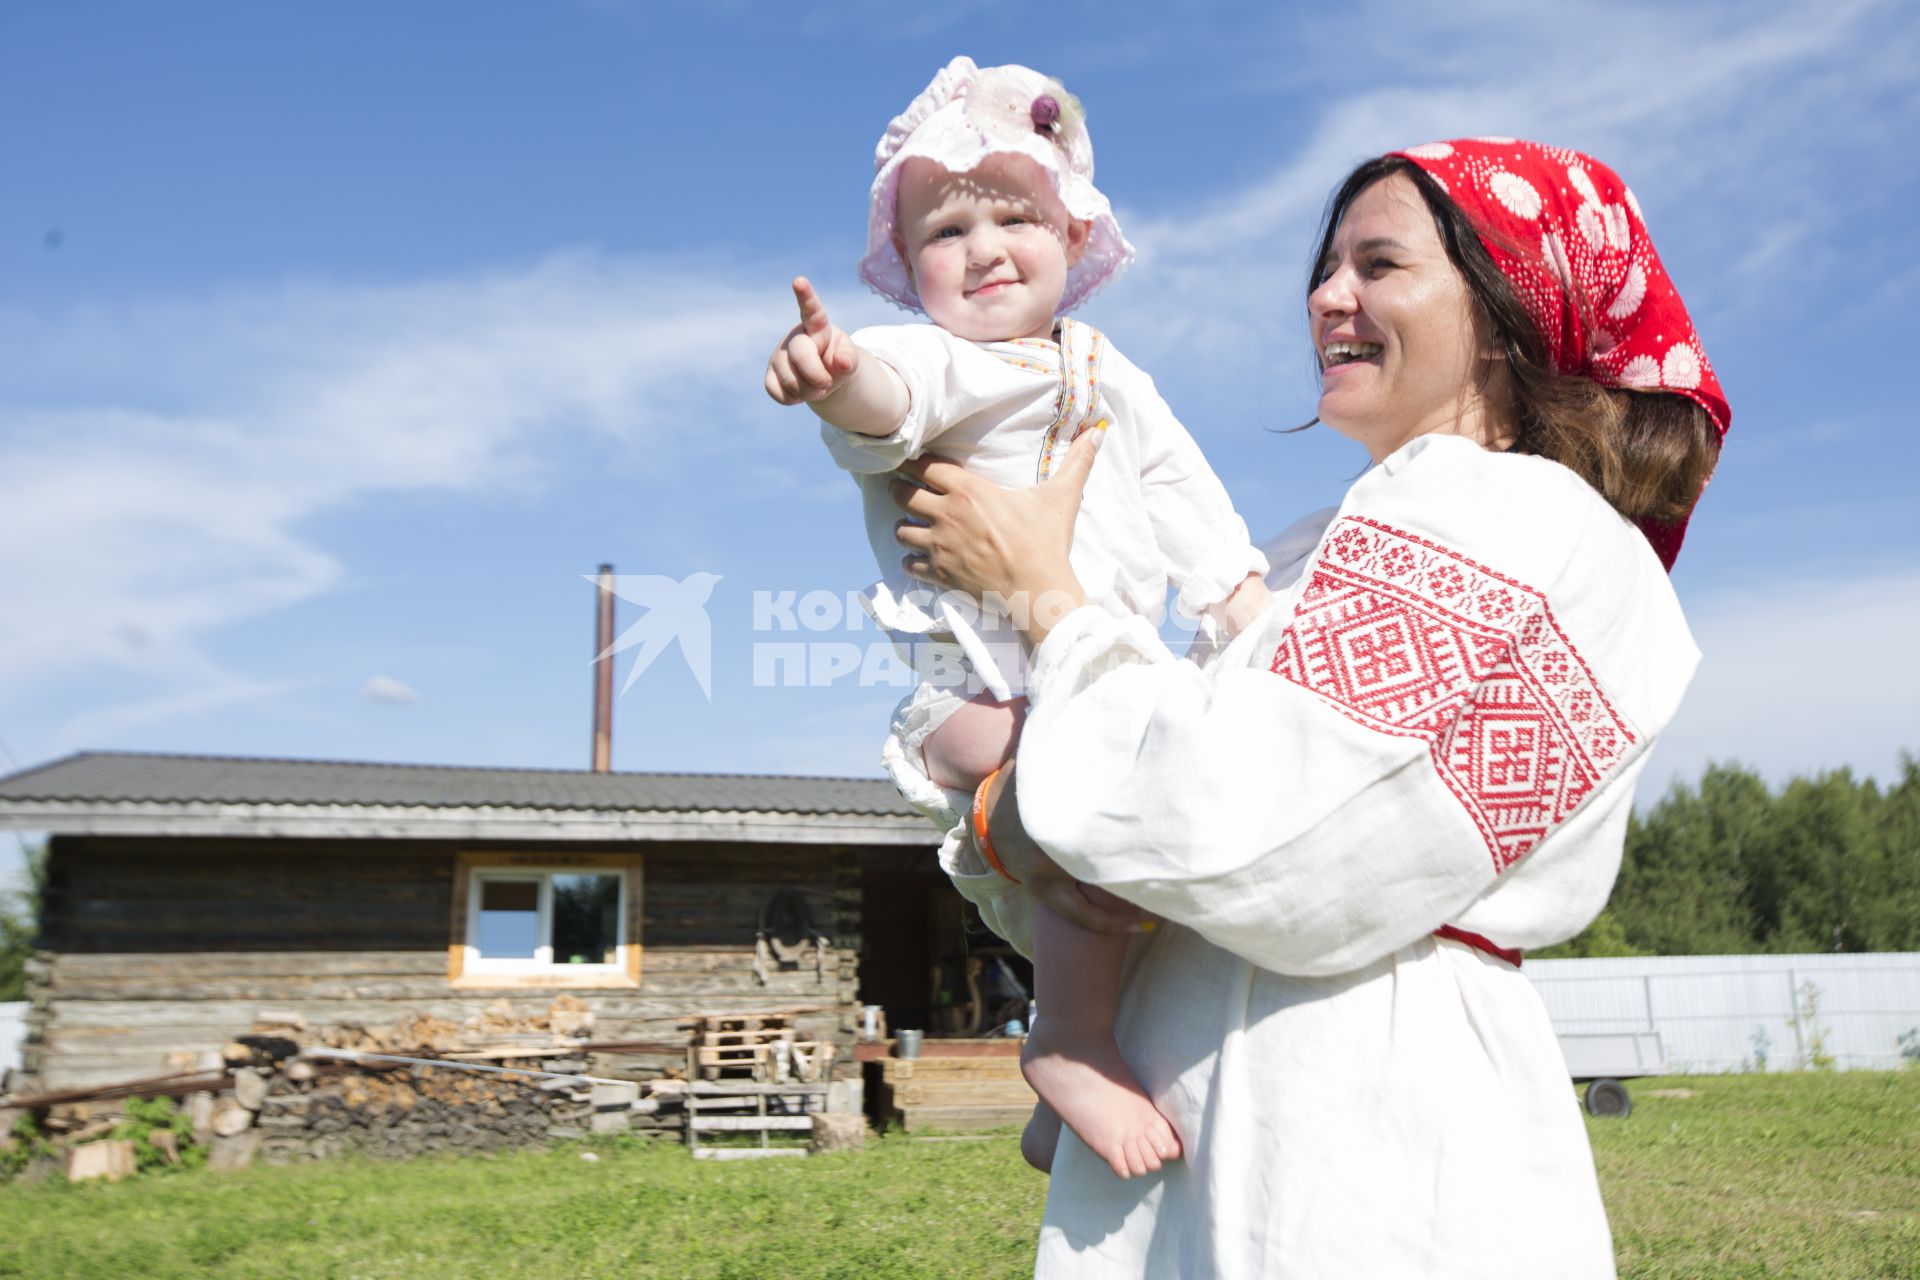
[
  {"x": 23, "y": 1146},
  {"x": 143, "y": 1117}
]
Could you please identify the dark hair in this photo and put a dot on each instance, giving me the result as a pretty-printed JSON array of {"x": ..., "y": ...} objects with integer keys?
[{"x": 1647, "y": 453}]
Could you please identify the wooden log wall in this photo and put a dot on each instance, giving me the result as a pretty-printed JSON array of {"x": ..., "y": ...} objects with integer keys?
[{"x": 157, "y": 947}]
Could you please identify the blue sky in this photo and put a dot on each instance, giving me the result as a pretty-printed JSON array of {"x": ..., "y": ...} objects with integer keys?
[{"x": 343, "y": 339}]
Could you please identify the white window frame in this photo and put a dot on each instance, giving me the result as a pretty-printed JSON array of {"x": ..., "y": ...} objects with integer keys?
[{"x": 469, "y": 968}]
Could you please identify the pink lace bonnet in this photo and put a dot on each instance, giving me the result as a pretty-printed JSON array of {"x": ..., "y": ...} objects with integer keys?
[{"x": 967, "y": 114}]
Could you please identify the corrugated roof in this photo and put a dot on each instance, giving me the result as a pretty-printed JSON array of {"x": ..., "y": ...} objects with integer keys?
[{"x": 116, "y": 777}]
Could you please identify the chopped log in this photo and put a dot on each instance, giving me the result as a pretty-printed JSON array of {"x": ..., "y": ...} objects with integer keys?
[
  {"x": 235, "y": 1052},
  {"x": 268, "y": 1019},
  {"x": 837, "y": 1132},
  {"x": 249, "y": 1088},
  {"x": 164, "y": 1141},
  {"x": 230, "y": 1118},
  {"x": 299, "y": 1070},
  {"x": 233, "y": 1151},
  {"x": 200, "y": 1114},
  {"x": 613, "y": 1106},
  {"x": 112, "y": 1160},
  {"x": 571, "y": 1022}
]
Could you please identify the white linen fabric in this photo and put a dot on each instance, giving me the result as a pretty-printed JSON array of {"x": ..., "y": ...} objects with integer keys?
[{"x": 1440, "y": 720}]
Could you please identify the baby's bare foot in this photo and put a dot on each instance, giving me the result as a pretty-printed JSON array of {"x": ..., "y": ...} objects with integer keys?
[
  {"x": 1041, "y": 1138},
  {"x": 1089, "y": 1085}
]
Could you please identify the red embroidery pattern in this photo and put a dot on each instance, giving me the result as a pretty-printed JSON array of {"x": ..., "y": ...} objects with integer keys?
[{"x": 1407, "y": 637}]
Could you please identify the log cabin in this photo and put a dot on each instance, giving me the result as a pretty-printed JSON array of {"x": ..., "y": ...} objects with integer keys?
[{"x": 188, "y": 894}]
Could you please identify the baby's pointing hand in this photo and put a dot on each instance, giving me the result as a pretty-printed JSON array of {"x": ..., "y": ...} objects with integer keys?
[{"x": 815, "y": 359}]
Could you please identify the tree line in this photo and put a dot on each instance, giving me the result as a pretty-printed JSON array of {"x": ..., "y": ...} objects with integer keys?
[
  {"x": 1729, "y": 866},
  {"x": 19, "y": 913}
]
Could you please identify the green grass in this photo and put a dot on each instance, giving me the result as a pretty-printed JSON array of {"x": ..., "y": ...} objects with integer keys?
[
  {"x": 1812, "y": 1175},
  {"x": 1778, "y": 1175}
]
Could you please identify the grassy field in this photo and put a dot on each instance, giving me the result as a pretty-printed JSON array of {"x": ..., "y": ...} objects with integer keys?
[{"x": 1742, "y": 1176}]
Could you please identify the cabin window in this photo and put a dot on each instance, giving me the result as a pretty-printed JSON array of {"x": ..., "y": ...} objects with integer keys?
[{"x": 545, "y": 920}]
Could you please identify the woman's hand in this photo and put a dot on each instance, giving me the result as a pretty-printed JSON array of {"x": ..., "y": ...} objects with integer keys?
[
  {"x": 969, "y": 534},
  {"x": 1028, "y": 863}
]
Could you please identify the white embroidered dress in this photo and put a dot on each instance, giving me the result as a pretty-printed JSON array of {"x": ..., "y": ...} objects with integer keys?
[
  {"x": 1440, "y": 721},
  {"x": 1155, "y": 513}
]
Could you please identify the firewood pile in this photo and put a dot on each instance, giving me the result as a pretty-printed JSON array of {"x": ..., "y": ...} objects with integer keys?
[
  {"x": 285, "y": 1092},
  {"x": 282, "y": 1092}
]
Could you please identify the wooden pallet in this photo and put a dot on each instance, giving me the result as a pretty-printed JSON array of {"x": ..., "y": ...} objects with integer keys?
[
  {"x": 762, "y": 1109},
  {"x": 735, "y": 1046}
]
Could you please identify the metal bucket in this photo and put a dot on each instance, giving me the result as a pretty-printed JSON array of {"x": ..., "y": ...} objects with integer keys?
[{"x": 907, "y": 1045}]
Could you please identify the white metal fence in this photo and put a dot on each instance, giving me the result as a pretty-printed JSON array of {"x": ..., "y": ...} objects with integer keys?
[
  {"x": 13, "y": 1035},
  {"x": 1745, "y": 1013}
]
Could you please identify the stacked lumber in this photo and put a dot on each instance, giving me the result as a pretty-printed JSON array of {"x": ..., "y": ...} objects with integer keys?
[
  {"x": 956, "y": 1086},
  {"x": 764, "y": 1047}
]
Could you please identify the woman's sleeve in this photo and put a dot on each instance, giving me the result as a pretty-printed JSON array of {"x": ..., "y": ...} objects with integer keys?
[{"x": 1372, "y": 758}]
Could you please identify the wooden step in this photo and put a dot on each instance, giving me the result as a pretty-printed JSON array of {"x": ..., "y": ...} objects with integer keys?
[
  {"x": 964, "y": 1093},
  {"x": 961, "y": 1119},
  {"x": 980, "y": 1047},
  {"x": 898, "y": 1069}
]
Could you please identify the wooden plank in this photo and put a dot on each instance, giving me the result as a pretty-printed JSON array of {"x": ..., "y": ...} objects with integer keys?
[
  {"x": 737, "y": 959},
  {"x": 997, "y": 1047},
  {"x": 740, "y": 1039},
  {"x": 749, "y": 1124},
  {"x": 693, "y": 988},
  {"x": 964, "y": 1093},
  {"x": 895, "y": 1070},
  {"x": 79, "y": 966},
  {"x": 961, "y": 1119},
  {"x": 237, "y": 1015}
]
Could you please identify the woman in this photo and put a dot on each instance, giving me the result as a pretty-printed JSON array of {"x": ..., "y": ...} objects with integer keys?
[{"x": 1419, "y": 761}]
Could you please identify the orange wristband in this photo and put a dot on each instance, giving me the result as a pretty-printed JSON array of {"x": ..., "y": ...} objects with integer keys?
[{"x": 981, "y": 840}]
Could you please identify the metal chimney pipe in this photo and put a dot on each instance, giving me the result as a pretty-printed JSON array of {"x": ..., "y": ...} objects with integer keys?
[{"x": 603, "y": 673}]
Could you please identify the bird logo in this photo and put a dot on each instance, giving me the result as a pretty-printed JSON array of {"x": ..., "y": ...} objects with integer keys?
[{"x": 676, "y": 612}]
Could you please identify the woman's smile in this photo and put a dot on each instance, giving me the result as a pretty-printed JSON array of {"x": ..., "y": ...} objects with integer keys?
[
  {"x": 1394, "y": 326},
  {"x": 1344, "y": 354}
]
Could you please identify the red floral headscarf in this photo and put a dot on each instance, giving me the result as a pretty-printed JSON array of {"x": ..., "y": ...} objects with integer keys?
[{"x": 1567, "y": 232}]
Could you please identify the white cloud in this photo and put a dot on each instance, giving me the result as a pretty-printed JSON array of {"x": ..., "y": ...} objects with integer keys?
[
  {"x": 387, "y": 690},
  {"x": 157, "y": 460}
]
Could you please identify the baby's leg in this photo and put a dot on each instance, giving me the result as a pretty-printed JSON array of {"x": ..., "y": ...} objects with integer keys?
[
  {"x": 1072, "y": 1060},
  {"x": 974, "y": 741},
  {"x": 1041, "y": 1137}
]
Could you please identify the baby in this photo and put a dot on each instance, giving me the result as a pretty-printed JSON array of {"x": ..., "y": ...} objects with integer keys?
[{"x": 985, "y": 218}]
